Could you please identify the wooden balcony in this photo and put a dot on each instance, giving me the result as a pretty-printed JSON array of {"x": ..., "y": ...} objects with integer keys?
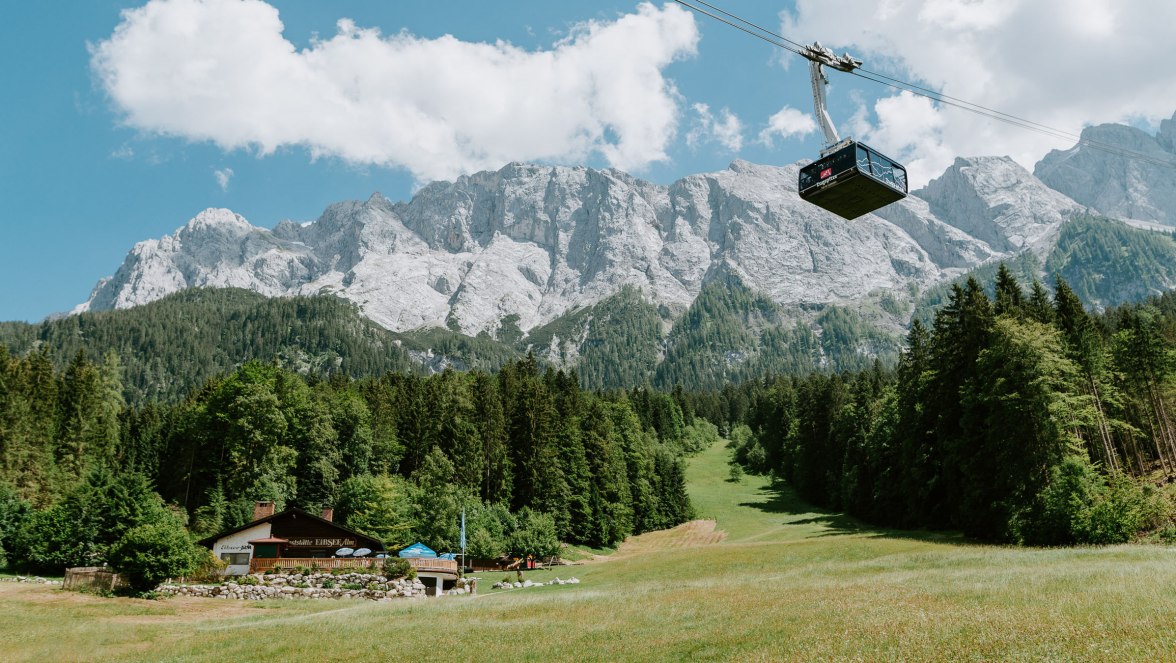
[{"x": 421, "y": 564}]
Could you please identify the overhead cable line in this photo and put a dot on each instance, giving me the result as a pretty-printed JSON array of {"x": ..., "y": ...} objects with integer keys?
[
  {"x": 796, "y": 48},
  {"x": 738, "y": 24}
]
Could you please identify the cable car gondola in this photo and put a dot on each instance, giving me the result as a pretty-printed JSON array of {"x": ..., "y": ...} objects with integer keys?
[{"x": 851, "y": 178}]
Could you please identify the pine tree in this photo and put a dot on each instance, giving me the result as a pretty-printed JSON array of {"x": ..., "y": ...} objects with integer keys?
[
  {"x": 1084, "y": 347},
  {"x": 497, "y": 481},
  {"x": 1009, "y": 298},
  {"x": 1039, "y": 307},
  {"x": 1025, "y": 389},
  {"x": 962, "y": 331}
]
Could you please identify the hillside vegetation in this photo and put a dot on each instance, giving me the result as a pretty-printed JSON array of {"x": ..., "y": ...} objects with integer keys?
[
  {"x": 1017, "y": 418},
  {"x": 171, "y": 346},
  {"x": 789, "y": 582}
]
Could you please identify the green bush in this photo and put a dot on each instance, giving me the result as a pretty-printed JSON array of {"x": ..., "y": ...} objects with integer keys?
[
  {"x": 13, "y": 511},
  {"x": 351, "y": 585},
  {"x": 735, "y": 475},
  {"x": 208, "y": 569},
  {"x": 698, "y": 436},
  {"x": 1122, "y": 510},
  {"x": 328, "y": 584},
  {"x": 535, "y": 535},
  {"x": 248, "y": 580},
  {"x": 149, "y": 554},
  {"x": 51, "y": 540},
  {"x": 1080, "y": 505},
  {"x": 398, "y": 567}
]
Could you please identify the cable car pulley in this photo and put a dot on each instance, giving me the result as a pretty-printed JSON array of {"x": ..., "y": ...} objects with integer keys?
[{"x": 850, "y": 178}]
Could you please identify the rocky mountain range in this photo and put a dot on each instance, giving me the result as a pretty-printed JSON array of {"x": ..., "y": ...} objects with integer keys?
[
  {"x": 526, "y": 246},
  {"x": 1118, "y": 185}
]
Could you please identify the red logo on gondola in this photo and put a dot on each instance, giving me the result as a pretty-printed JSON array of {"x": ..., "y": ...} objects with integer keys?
[{"x": 826, "y": 173}]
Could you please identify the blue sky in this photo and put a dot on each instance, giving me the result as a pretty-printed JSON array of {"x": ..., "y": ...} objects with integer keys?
[{"x": 111, "y": 135}]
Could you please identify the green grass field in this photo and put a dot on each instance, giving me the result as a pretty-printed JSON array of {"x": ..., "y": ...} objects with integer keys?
[{"x": 785, "y": 583}]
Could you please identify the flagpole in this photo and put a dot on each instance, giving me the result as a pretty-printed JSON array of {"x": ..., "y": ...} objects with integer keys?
[{"x": 463, "y": 540}]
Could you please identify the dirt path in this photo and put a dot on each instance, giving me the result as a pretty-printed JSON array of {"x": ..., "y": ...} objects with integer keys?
[{"x": 687, "y": 535}]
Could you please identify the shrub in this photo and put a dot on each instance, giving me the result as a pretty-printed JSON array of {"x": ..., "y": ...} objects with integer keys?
[
  {"x": 398, "y": 567},
  {"x": 13, "y": 511},
  {"x": 248, "y": 580},
  {"x": 757, "y": 458},
  {"x": 328, "y": 584},
  {"x": 535, "y": 535},
  {"x": 1080, "y": 505},
  {"x": 1120, "y": 511},
  {"x": 736, "y": 473},
  {"x": 49, "y": 541},
  {"x": 352, "y": 585},
  {"x": 700, "y": 435},
  {"x": 208, "y": 569},
  {"x": 149, "y": 554}
]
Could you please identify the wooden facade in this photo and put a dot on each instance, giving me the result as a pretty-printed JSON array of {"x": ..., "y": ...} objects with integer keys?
[{"x": 291, "y": 538}]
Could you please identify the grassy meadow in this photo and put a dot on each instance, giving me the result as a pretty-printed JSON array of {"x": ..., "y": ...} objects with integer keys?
[{"x": 770, "y": 580}]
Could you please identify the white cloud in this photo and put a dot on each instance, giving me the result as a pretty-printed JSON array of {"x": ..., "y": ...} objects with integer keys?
[
  {"x": 787, "y": 122},
  {"x": 1063, "y": 63},
  {"x": 726, "y": 129},
  {"x": 221, "y": 71},
  {"x": 222, "y": 177},
  {"x": 123, "y": 152}
]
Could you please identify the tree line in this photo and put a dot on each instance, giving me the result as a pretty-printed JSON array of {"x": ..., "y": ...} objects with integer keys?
[
  {"x": 1014, "y": 417},
  {"x": 170, "y": 347},
  {"x": 528, "y": 455}
]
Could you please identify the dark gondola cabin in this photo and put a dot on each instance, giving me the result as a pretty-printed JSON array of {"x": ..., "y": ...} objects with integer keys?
[{"x": 852, "y": 181}]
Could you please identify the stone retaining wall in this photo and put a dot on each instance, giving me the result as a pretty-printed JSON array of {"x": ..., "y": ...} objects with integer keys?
[
  {"x": 35, "y": 579},
  {"x": 310, "y": 586}
]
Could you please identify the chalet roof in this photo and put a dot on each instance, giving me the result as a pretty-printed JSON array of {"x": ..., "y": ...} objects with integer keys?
[
  {"x": 272, "y": 539},
  {"x": 209, "y": 541}
]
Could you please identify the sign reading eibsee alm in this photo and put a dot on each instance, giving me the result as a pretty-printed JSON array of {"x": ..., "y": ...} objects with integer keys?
[{"x": 322, "y": 543}]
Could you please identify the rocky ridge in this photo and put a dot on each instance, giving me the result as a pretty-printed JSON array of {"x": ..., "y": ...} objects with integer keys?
[
  {"x": 1113, "y": 184},
  {"x": 532, "y": 243}
]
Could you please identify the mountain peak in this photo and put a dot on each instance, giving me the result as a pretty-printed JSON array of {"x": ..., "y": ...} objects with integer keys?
[
  {"x": 996, "y": 200},
  {"x": 532, "y": 242},
  {"x": 1112, "y": 181},
  {"x": 218, "y": 217}
]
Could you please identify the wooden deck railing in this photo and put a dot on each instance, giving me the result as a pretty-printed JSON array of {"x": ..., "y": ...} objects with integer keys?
[{"x": 425, "y": 564}]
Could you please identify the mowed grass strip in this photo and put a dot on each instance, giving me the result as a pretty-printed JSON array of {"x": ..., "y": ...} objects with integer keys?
[{"x": 786, "y": 583}]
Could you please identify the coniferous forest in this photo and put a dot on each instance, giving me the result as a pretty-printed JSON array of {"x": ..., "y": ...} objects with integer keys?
[
  {"x": 530, "y": 457},
  {"x": 1013, "y": 415}
]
